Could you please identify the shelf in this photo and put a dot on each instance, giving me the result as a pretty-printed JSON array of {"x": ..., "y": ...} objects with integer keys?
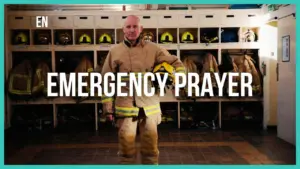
[
  {"x": 37, "y": 101},
  {"x": 198, "y": 46},
  {"x": 75, "y": 47},
  {"x": 163, "y": 99},
  {"x": 169, "y": 46},
  {"x": 240, "y": 45},
  {"x": 31, "y": 47}
]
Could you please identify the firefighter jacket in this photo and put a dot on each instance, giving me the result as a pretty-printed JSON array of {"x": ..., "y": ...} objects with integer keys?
[
  {"x": 39, "y": 84},
  {"x": 20, "y": 81},
  {"x": 139, "y": 58}
]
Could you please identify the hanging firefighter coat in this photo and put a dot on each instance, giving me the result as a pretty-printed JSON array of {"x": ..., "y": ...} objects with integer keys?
[
  {"x": 139, "y": 58},
  {"x": 190, "y": 67},
  {"x": 84, "y": 66},
  {"x": 246, "y": 64},
  {"x": 20, "y": 80},
  {"x": 235, "y": 79},
  {"x": 40, "y": 80},
  {"x": 210, "y": 65}
]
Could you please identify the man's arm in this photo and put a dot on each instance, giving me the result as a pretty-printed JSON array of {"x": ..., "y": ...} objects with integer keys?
[{"x": 163, "y": 55}]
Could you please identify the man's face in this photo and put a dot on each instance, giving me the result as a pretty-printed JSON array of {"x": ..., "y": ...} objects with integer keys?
[{"x": 132, "y": 29}]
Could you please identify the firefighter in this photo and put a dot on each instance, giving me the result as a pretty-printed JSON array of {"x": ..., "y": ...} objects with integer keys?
[{"x": 134, "y": 54}]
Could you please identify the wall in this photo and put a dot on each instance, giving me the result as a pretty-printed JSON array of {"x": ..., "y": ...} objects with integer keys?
[
  {"x": 286, "y": 111},
  {"x": 272, "y": 72},
  {"x": 286, "y": 84},
  {"x": 268, "y": 53}
]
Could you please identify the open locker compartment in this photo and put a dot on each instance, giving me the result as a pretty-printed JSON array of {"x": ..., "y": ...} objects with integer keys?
[
  {"x": 33, "y": 61},
  {"x": 32, "y": 118},
  {"x": 242, "y": 115},
  {"x": 75, "y": 117},
  {"x": 199, "y": 115},
  {"x": 169, "y": 117}
]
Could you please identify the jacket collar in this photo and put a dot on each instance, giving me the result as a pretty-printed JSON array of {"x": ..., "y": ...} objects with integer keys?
[{"x": 138, "y": 42}]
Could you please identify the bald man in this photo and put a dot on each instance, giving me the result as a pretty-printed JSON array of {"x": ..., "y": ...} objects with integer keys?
[{"x": 135, "y": 55}]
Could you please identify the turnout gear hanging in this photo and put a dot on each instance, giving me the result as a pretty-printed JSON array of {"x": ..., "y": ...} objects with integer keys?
[
  {"x": 40, "y": 80},
  {"x": 246, "y": 64},
  {"x": 235, "y": 79},
  {"x": 20, "y": 81},
  {"x": 190, "y": 67},
  {"x": 227, "y": 65},
  {"x": 85, "y": 66},
  {"x": 210, "y": 65}
]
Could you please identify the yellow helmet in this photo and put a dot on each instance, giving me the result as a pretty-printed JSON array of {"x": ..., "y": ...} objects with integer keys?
[
  {"x": 163, "y": 68},
  {"x": 166, "y": 38},
  {"x": 105, "y": 38},
  {"x": 83, "y": 39},
  {"x": 21, "y": 38},
  {"x": 187, "y": 37}
]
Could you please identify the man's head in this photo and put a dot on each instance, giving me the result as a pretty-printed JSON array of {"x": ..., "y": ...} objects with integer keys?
[{"x": 132, "y": 27}]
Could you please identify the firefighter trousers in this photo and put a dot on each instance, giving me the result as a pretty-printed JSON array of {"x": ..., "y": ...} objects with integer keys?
[{"x": 127, "y": 132}]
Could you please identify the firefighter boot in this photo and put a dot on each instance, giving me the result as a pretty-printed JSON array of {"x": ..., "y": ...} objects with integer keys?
[
  {"x": 127, "y": 134},
  {"x": 149, "y": 138}
]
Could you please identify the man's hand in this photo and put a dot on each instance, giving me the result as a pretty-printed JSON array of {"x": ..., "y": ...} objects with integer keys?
[
  {"x": 109, "y": 117},
  {"x": 108, "y": 110},
  {"x": 108, "y": 107}
]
